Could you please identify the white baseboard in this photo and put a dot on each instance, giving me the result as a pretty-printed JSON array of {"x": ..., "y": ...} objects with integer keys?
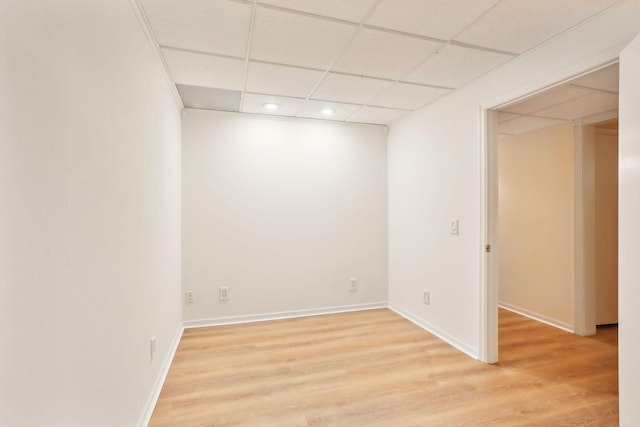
[
  {"x": 157, "y": 387},
  {"x": 232, "y": 320},
  {"x": 463, "y": 347},
  {"x": 538, "y": 317}
]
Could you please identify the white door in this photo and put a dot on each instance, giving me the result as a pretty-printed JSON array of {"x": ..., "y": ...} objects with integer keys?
[{"x": 629, "y": 235}]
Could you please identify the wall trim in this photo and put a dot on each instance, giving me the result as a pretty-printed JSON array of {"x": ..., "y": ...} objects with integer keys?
[
  {"x": 162, "y": 376},
  {"x": 153, "y": 42},
  {"x": 449, "y": 339},
  {"x": 538, "y": 317},
  {"x": 265, "y": 317}
]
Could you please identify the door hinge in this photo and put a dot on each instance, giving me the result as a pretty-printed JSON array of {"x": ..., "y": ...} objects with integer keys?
[{"x": 487, "y": 248}]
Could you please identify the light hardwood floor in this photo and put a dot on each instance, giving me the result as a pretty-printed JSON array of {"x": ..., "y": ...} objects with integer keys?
[{"x": 374, "y": 368}]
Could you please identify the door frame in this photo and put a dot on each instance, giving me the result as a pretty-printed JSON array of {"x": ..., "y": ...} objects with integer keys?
[{"x": 489, "y": 261}]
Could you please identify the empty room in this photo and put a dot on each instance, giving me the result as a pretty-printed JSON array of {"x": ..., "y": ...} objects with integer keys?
[{"x": 319, "y": 213}]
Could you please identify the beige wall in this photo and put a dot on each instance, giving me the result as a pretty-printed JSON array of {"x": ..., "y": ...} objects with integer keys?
[
  {"x": 606, "y": 229},
  {"x": 536, "y": 223}
]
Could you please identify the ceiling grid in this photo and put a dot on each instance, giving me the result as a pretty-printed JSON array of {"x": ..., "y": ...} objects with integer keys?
[{"x": 369, "y": 61}]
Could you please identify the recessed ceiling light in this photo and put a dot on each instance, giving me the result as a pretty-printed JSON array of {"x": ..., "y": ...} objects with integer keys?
[
  {"x": 328, "y": 111},
  {"x": 271, "y": 106}
]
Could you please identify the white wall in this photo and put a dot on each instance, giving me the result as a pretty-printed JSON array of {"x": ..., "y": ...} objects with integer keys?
[
  {"x": 282, "y": 211},
  {"x": 90, "y": 217},
  {"x": 536, "y": 223},
  {"x": 629, "y": 235},
  {"x": 435, "y": 173},
  {"x": 433, "y": 178}
]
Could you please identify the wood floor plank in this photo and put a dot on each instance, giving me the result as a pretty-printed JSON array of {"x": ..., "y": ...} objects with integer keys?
[{"x": 376, "y": 369}]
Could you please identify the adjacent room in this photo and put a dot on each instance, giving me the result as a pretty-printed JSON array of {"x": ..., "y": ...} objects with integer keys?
[
  {"x": 332, "y": 213},
  {"x": 558, "y": 203}
]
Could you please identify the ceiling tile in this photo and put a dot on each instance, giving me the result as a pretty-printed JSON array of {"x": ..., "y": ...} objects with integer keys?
[
  {"x": 377, "y": 115},
  {"x": 204, "y": 25},
  {"x": 313, "y": 109},
  {"x": 454, "y": 66},
  {"x": 382, "y": 54},
  {"x": 407, "y": 96},
  {"x": 441, "y": 19},
  {"x": 518, "y": 25},
  {"x": 254, "y": 103},
  {"x": 589, "y": 105},
  {"x": 298, "y": 40},
  {"x": 198, "y": 69},
  {"x": 353, "y": 89},
  {"x": 281, "y": 80},
  {"x": 605, "y": 79},
  {"x": 206, "y": 98},
  {"x": 525, "y": 124},
  {"x": 352, "y": 10},
  {"x": 547, "y": 99},
  {"x": 505, "y": 117}
]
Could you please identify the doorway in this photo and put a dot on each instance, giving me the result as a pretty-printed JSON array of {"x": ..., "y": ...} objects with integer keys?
[{"x": 565, "y": 288}]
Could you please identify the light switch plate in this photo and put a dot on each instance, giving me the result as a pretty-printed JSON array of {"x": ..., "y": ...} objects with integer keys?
[{"x": 455, "y": 227}]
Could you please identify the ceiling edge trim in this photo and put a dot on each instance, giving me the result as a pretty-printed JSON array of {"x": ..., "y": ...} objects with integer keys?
[{"x": 153, "y": 42}]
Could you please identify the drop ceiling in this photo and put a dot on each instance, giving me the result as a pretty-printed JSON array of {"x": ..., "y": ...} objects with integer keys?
[
  {"x": 370, "y": 61},
  {"x": 592, "y": 98}
]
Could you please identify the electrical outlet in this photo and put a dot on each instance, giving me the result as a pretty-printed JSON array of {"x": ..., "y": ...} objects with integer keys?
[
  {"x": 189, "y": 297},
  {"x": 224, "y": 293},
  {"x": 152, "y": 347},
  {"x": 426, "y": 298},
  {"x": 353, "y": 284}
]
